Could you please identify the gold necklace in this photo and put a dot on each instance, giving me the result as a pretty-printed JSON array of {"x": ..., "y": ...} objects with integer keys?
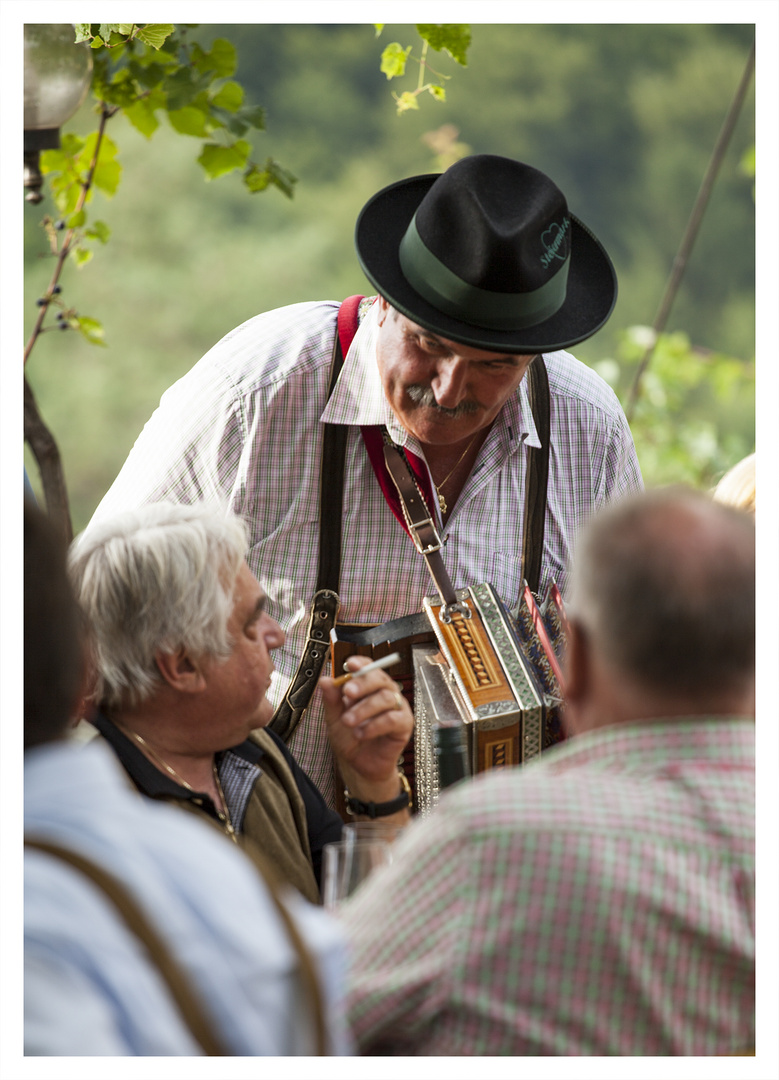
[
  {"x": 223, "y": 815},
  {"x": 160, "y": 761},
  {"x": 441, "y": 499}
]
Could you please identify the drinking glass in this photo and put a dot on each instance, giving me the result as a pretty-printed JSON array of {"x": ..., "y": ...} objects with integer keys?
[
  {"x": 371, "y": 830},
  {"x": 347, "y": 864}
]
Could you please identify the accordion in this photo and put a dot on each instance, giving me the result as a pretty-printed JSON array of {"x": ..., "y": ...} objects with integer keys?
[{"x": 486, "y": 684}]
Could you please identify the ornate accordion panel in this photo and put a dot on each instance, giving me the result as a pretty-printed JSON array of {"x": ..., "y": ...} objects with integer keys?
[
  {"x": 496, "y": 678},
  {"x": 483, "y": 681}
]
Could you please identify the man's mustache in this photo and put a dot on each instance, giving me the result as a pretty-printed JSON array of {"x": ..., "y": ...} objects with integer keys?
[{"x": 423, "y": 395}]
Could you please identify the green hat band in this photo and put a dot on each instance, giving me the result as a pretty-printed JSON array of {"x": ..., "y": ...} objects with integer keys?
[{"x": 468, "y": 303}]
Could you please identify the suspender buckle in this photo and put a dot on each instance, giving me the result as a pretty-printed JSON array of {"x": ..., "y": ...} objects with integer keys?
[{"x": 434, "y": 545}]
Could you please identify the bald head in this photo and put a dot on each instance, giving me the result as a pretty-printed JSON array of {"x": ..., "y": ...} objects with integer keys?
[{"x": 664, "y": 590}]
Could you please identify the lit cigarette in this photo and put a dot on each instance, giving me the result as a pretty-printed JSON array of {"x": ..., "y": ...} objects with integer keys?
[{"x": 386, "y": 661}]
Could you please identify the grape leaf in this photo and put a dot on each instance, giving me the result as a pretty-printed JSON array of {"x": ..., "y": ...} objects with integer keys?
[
  {"x": 189, "y": 121},
  {"x": 254, "y": 116},
  {"x": 222, "y": 59},
  {"x": 91, "y": 329},
  {"x": 229, "y": 96},
  {"x": 393, "y": 60},
  {"x": 141, "y": 116},
  {"x": 98, "y": 230},
  {"x": 453, "y": 38},
  {"x": 155, "y": 34},
  {"x": 218, "y": 160},
  {"x": 256, "y": 179}
]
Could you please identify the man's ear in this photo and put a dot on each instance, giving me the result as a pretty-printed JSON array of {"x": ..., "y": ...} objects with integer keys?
[
  {"x": 180, "y": 671},
  {"x": 384, "y": 309},
  {"x": 578, "y": 675}
]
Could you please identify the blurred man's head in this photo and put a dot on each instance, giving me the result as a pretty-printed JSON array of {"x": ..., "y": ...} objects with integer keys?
[
  {"x": 662, "y": 612},
  {"x": 52, "y": 633},
  {"x": 737, "y": 486}
]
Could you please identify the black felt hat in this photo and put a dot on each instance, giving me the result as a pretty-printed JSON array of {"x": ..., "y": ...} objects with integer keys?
[{"x": 487, "y": 254}]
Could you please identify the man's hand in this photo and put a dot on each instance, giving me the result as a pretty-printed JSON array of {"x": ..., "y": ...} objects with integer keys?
[{"x": 369, "y": 723}]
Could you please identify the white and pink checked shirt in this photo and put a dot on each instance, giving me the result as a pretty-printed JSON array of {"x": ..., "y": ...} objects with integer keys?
[
  {"x": 598, "y": 901},
  {"x": 244, "y": 427}
]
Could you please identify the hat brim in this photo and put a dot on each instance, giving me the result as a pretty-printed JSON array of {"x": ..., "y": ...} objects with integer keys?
[{"x": 589, "y": 301}]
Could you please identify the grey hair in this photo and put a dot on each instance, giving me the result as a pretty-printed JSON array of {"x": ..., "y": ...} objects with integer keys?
[
  {"x": 157, "y": 578},
  {"x": 664, "y": 584}
]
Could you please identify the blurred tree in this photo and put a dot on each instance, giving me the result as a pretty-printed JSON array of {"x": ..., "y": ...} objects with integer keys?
[
  {"x": 190, "y": 261},
  {"x": 695, "y": 415},
  {"x": 139, "y": 70}
]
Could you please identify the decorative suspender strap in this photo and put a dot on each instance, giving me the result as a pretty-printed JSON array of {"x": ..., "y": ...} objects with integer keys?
[
  {"x": 375, "y": 437},
  {"x": 192, "y": 1012},
  {"x": 420, "y": 523},
  {"x": 537, "y": 474},
  {"x": 410, "y": 504},
  {"x": 324, "y": 607}
]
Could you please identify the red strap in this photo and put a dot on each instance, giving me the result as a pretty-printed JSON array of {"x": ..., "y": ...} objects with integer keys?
[
  {"x": 348, "y": 321},
  {"x": 373, "y": 437},
  {"x": 372, "y": 434}
]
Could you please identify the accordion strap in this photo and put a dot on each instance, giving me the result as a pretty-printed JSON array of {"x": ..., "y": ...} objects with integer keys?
[{"x": 419, "y": 521}]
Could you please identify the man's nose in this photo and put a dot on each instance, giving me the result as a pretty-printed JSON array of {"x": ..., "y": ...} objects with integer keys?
[
  {"x": 450, "y": 382},
  {"x": 275, "y": 636}
]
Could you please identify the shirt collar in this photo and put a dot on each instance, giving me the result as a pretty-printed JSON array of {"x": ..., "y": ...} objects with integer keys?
[
  {"x": 641, "y": 743},
  {"x": 358, "y": 398},
  {"x": 150, "y": 780}
]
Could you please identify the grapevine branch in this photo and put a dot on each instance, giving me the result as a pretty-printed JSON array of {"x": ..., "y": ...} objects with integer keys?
[
  {"x": 36, "y": 434},
  {"x": 86, "y": 184},
  {"x": 693, "y": 225}
]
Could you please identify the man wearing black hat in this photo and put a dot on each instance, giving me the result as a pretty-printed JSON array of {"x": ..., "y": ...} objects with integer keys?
[{"x": 480, "y": 271}]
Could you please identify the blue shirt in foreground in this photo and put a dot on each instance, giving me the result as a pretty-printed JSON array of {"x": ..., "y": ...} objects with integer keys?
[{"x": 89, "y": 988}]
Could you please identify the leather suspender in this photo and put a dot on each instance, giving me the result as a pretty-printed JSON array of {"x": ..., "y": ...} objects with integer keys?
[
  {"x": 324, "y": 608},
  {"x": 192, "y": 1012},
  {"x": 537, "y": 475}
]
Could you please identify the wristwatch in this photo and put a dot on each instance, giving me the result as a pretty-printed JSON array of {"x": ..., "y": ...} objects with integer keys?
[{"x": 383, "y": 809}]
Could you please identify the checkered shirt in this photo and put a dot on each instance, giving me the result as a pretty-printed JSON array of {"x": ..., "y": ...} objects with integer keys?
[
  {"x": 599, "y": 901},
  {"x": 244, "y": 426}
]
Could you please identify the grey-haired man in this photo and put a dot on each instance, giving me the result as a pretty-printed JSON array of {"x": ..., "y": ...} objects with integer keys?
[{"x": 183, "y": 649}]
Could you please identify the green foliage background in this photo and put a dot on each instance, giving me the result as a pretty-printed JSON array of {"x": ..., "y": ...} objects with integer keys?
[{"x": 623, "y": 118}]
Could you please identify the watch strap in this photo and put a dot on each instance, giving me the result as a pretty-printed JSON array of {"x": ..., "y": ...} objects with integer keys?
[{"x": 374, "y": 810}]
